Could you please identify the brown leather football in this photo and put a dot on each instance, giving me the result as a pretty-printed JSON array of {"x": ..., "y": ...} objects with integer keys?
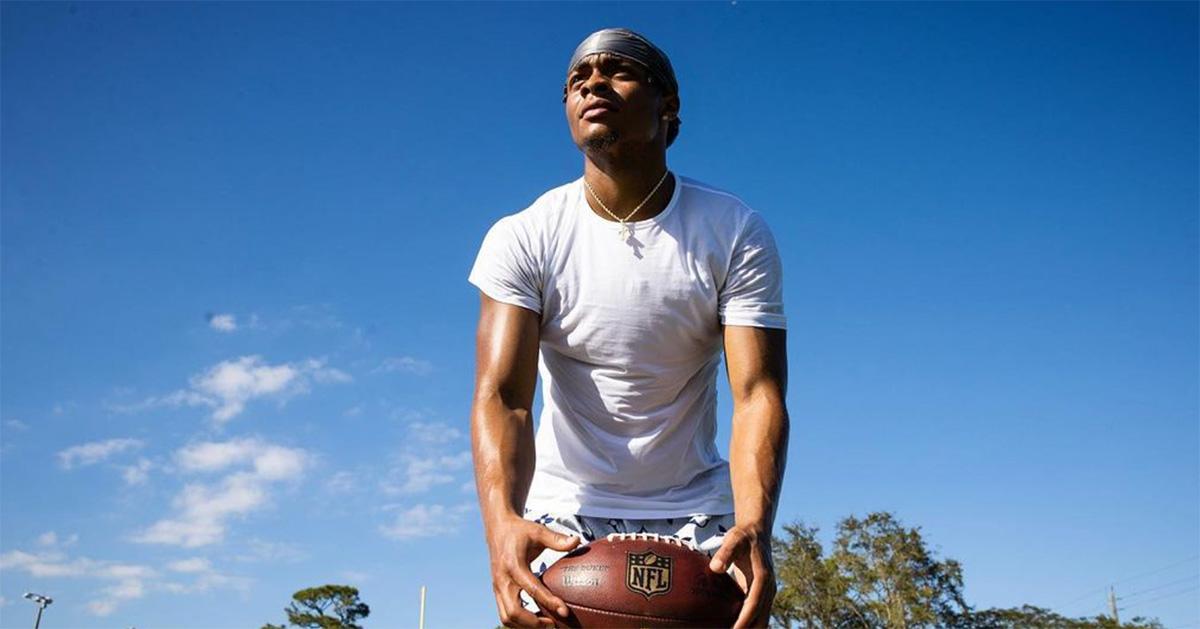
[{"x": 643, "y": 580}]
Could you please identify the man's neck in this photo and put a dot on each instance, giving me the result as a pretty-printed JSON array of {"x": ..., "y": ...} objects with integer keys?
[{"x": 623, "y": 181}]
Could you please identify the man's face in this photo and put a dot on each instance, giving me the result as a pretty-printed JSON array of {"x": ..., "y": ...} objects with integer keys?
[{"x": 610, "y": 100}]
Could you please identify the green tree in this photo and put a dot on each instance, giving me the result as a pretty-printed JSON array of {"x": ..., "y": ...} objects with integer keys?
[
  {"x": 309, "y": 608},
  {"x": 811, "y": 592},
  {"x": 880, "y": 575},
  {"x": 1030, "y": 617},
  {"x": 893, "y": 579}
]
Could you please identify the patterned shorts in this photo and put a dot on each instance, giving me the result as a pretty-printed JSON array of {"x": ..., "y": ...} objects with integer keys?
[{"x": 705, "y": 531}]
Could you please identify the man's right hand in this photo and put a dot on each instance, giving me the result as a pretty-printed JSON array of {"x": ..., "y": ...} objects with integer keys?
[{"x": 512, "y": 544}]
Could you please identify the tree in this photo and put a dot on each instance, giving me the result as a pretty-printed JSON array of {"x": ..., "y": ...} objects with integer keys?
[
  {"x": 880, "y": 575},
  {"x": 1029, "y": 616},
  {"x": 811, "y": 593},
  {"x": 308, "y": 608},
  {"x": 893, "y": 580}
]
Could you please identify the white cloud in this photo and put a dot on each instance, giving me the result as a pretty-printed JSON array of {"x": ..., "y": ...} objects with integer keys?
[
  {"x": 113, "y": 595},
  {"x": 16, "y": 424},
  {"x": 189, "y": 533},
  {"x": 426, "y": 520},
  {"x": 222, "y": 322},
  {"x": 342, "y": 483},
  {"x": 263, "y": 550},
  {"x": 325, "y": 375},
  {"x": 231, "y": 384},
  {"x": 355, "y": 576},
  {"x": 94, "y": 452},
  {"x": 405, "y": 364},
  {"x": 270, "y": 462},
  {"x": 102, "y": 607},
  {"x": 124, "y": 571},
  {"x": 138, "y": 473},
  {"x": 430, "y": 458},
  {"x": 123, "y": 581},
  {"x": 174, "y": 399},
  {"x": 45, "y": 565},
  {"x": 203, "y": 510},
  {"x": 214, "y": 456},
  {"x": 208, "y": 580},
  {"x": 50, "y": 538},
  {"x": 277, "y": 463},
  {"x": 406, "y": 415},
  {"x": 54, "y": 563},
  {"x": 194, "y": 564},
  {"x": 420, "y": 474},
  {"x": 433, "y": 432},
  {"x": 315, "y": 316}
]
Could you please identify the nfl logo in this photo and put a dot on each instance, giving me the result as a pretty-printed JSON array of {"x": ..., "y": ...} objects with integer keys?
[{"x": 647, "y": 573}]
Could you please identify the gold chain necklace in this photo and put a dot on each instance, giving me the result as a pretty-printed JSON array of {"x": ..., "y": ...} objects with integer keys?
[{"x": 624, "y": 233}]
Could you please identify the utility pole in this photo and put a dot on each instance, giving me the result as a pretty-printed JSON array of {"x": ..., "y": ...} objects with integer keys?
[{"x": 1112, "y": 605}]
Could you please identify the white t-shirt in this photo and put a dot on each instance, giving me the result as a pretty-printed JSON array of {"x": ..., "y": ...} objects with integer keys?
[{"x": 631, "y": 342}]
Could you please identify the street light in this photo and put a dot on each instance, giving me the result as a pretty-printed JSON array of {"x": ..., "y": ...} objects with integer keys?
[{"x": 42, "y": 602}]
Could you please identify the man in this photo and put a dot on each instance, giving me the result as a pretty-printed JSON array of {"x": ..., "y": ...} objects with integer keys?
[{"x": 628, "y": 280}]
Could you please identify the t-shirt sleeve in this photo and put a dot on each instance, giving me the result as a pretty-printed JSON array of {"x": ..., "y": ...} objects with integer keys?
[
  {"x": 505, "y": 268},
  {"x": 753, "y": 290}
]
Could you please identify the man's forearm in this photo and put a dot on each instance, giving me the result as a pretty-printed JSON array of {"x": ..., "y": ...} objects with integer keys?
[
  {"x": 503, "y": 448},
  {"x": 757, "y": 458}
]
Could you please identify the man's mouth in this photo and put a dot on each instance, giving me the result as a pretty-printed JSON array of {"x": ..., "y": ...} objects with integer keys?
[
  {"x": 597, "y": 108},
  {"x": 596, "y": 112}
]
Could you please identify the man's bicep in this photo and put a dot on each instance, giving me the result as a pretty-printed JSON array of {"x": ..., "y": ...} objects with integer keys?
[
  {"x": 506, "y": 347},
  {"x": 756, "y": 361}
]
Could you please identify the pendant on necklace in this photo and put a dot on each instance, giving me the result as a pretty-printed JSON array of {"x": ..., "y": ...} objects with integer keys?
[{"x": 624, "y": 232}]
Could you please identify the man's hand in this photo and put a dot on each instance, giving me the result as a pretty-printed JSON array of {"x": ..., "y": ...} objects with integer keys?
[
  {"x": 748, "y": 549},
  {"x": 512, "y": 544}
]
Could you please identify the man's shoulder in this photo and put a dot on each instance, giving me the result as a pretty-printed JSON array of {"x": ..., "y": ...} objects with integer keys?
[
  {"x": 718, "y": 202},
  {"x": 707, "y": 190},
  {"x": 547, "y": 208}
]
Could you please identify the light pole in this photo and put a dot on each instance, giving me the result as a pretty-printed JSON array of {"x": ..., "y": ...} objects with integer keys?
[{"x": 42, "y": 602}]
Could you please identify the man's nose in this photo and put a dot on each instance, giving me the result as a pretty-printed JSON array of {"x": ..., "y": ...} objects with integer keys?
[{"x": 597, "y": 83}]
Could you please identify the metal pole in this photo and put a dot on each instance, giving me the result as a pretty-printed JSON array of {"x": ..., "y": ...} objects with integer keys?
[
  {"x": 37, "y": 621},
  {"x": 421, "y": 620}
]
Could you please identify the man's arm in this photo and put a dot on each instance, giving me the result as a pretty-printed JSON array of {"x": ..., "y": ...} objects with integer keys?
[
  {"x": 506, "y": 346},
  {"x": 756, "y": 359}
]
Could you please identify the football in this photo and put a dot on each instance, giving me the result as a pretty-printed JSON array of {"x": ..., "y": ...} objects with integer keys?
[{"x": 643, "y": 580}]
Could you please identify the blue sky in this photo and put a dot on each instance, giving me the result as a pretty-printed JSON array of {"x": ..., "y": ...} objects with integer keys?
[{"x": 238, "y": 336}]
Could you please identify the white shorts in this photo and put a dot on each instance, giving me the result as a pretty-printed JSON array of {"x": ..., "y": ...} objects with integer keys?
[{"x": 706, "y": 532}]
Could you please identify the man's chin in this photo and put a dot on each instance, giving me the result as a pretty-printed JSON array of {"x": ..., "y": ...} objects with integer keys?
[{"x": 601, "y": 140}]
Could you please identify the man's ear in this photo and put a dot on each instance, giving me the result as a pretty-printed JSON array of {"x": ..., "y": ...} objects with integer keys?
[{"x": 670, "y": 107}]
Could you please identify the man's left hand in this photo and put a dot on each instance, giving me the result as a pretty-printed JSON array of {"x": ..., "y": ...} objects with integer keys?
[{"x": 748, "y": 549}]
